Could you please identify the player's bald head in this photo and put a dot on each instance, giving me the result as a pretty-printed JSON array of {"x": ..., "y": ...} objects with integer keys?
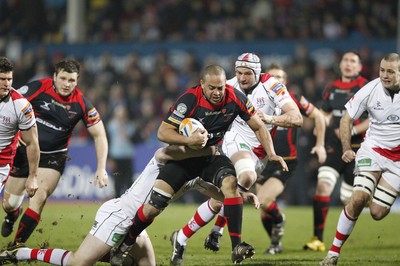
[{"x": 213, "y": 70}]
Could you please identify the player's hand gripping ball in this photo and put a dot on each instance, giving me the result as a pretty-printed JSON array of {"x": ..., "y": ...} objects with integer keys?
[{"x": 187, "y": 127}]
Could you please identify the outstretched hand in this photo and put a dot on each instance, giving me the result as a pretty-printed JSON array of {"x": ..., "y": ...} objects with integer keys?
[
  {"x": 101, "y": 178},
  {"x": 250, "y": 198},
  {"x": 279, "y": 159}
]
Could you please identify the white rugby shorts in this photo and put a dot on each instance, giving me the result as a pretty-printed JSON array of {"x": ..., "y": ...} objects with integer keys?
[
  {"x": 4, "y": 172},
  {"x": 111, "y": 223},
  {"x": 368, "y": 160},
  {"x": 233, "y": 142}
]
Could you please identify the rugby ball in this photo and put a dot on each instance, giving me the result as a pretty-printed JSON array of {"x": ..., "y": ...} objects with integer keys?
[{"x": 188, "y": 126}]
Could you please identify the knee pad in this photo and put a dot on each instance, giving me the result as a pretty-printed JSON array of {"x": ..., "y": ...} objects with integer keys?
[
  {"x": 221, "y": 174},
  {"x": 345, "y": 192},
  {"x": 328, "y": 174},
  {"x": 159, "y": 199},
  {"x": 15, "y": 201},
  {"x": 245, "y": 165},
  {"x": 384, "y": 197},
  {"x": 365, "y": 182}
]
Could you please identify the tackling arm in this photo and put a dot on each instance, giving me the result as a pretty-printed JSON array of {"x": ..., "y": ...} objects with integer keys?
[{"x": 177, "y": 153}]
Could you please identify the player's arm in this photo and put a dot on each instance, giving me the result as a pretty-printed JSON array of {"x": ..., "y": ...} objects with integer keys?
[
  {"x": 30, "y": 138},
  {"x": 177, "y": 153},
  {"x": 98, "y": 134},
  {"x": 265, "y": 139},
  {"x": 169, "y": 134},
  {"x": 346, "y": 123},
  {"x": 360, "y": 128},
  {"x": 320, "y": 127},
  {"x": 290, "y": 117}
]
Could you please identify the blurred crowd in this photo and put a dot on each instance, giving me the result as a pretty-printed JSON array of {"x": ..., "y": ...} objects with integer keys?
[
  {"x": 148, "y": 86},
  {"x": 202, "y": 20}
]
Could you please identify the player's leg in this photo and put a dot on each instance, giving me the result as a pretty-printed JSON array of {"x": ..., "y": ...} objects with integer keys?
[
  {"x": 14, "y": 191},
  {"x": 385, "y": 194},
  {"x": 364, "y": 187},
  {"x": 272, "y": 218},
  {"x": 12, "y": 201},
  {"x": 161, "y": 194},
  {"x": 203, "y": 215},
  {"x": 47, "y": 180},
  {"x": 224, "y": 177},
  {"x": 142, "y": 252},
  {"x": 327, "y": 178}
]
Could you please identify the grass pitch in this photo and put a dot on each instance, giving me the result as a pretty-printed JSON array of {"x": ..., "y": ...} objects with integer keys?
[{"x": 64, "y": 225}]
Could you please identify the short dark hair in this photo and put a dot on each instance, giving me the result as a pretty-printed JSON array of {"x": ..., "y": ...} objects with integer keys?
[
  {"x": 212, "y": 70},
  {"x": 67, "y": 65},
  {"x": 5, "y": 65},
  {"x": 352, "y": 52}
]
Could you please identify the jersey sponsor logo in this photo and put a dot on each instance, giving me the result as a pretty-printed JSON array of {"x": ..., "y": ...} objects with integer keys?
[
  {"x": 5, "y": 120},
  {"x": 249, "y": 106},
  {"x": 304, "y": 102},
  {"x": 116, "y": 237},
  {"x": 378, "y": 106},
  {"x": 45, "y": 106},
  {"x": 174, "y": 119},
  {"x": 260, "y": 101},
  {"x": 181, "y": 108},
  {"x": 364, "y": 162},
  {"x": 176, "y": 112},
  {"x": 95, "y": 224},
  {"x": 393, "y": 118},
  {"x": 28, "y": 111},
  {"x": 244, "y": 146},
  {"x": 93, "y": 115},
  {"x": 212, "y": 113},
  {"x": 279, "y": 88},
  {"x": 47, "y": 124}
]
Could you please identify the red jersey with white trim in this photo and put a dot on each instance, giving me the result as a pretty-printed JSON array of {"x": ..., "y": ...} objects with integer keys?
[
  {"x": 384, "y": 114},
  {"x": 334, "y": 98},
  {"x": 16, "y": 114},
  {"x": 285, "y": 138},
  {"x": 56, "y": 116},
  {"x": 216, "y": 118}
]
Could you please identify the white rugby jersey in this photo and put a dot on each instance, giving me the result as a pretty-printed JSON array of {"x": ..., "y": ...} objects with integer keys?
[
  {"x": 384, "y": 114},
  {"x": 16, "y": 113},
  {"x": 268, "y": 96}
]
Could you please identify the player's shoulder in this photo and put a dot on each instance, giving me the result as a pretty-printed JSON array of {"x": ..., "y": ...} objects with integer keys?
[
  {"x": 267, "y": 78},
  {"x": 232, "y": 82},
  {"x": 15, "y": 95},
  {"x": 372, "y": 85}
]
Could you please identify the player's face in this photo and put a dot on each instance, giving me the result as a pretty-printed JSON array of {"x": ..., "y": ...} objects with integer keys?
[
  {"x": 213, "y": 87},
  {"x": 245, "y": 77},
  {"x": 5, "y": 83},
  {"x": 389, "y": 74},
  {"x": 350, "y": 66},
  {"x": 279, "y": 74},
  {"x": 65, "y": 82}
]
